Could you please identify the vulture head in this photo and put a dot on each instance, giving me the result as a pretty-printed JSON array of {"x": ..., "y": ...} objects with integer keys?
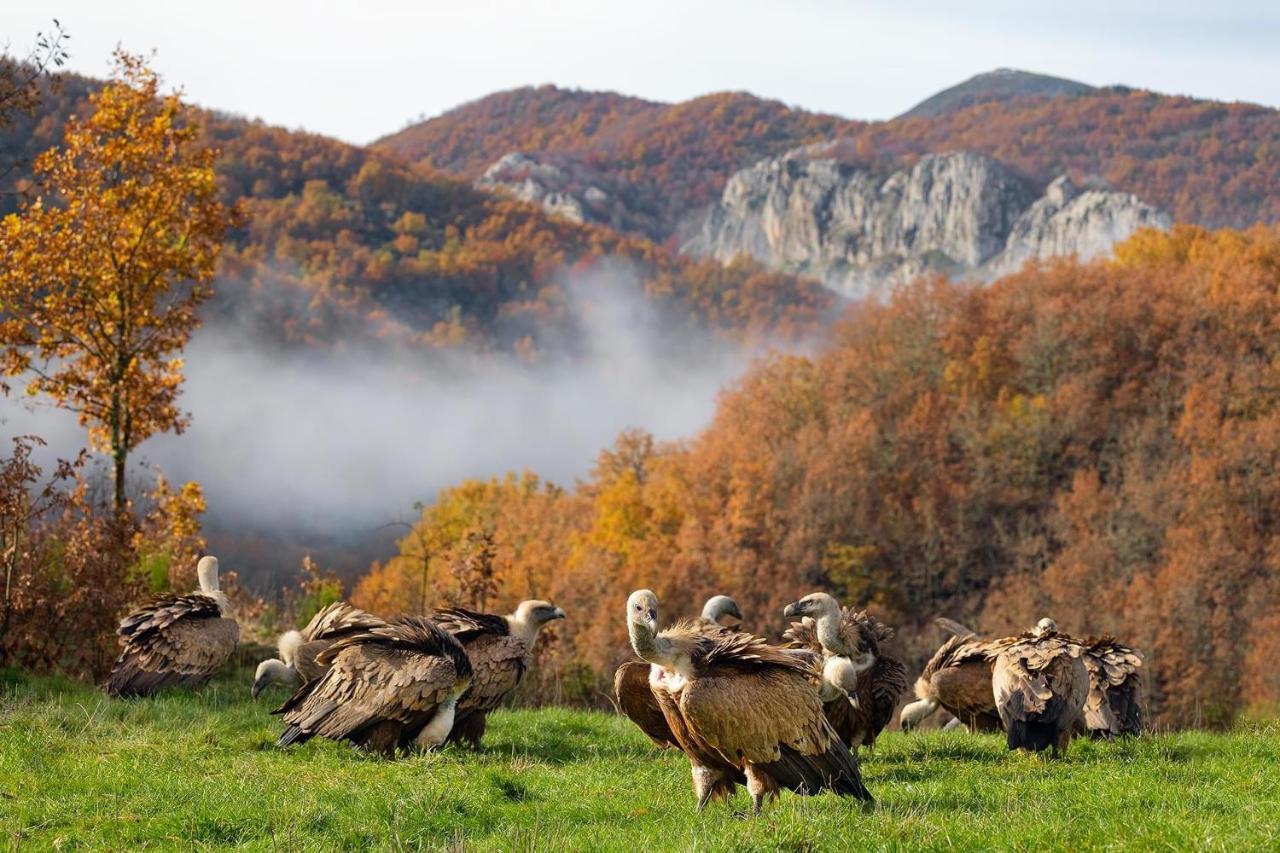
[
  {"x": 722, "y": 610},
  {"x": 1045, "y": 627},
  {"x": 271, "y": 671},
  {"x": 530, "y": 616},
  {"x": 207, "y": 572},
  {"x": 642, "y": 612},
  {"x": 815, "y": 605}
]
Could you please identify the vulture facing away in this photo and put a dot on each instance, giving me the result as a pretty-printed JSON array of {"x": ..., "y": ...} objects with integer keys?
[
  {"x": 299, "y": 649},
  {"x": 175, "y": 640},
  {"x": 742, "y": 711},
  {"x": 1115, "y": 703},
  {"x": 953, "y": 680},
  {"x": 386, "y": 688},
  {"x": 958, "y": 678},
  {"x": 631, "y": 681},
  {"x": 498, "y": 648},
  {"x": 861, "y": 682},
  {"x": 1039, "y": 683}
]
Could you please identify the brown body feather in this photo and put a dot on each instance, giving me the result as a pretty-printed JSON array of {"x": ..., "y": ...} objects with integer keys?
[
  {"x": 638, "y": 702},
  {"x": 382, "y": 687},
  {"x": 745, "y": 711},
  {"x": 172, "y": 641},
  {"x": 1114, "y": 705},
  {"x": 879, "y": 687},
  {"x": 331, "y": 624},
  {"x": 1039, "y": 684},
  {"x": 498, "y": 660}
]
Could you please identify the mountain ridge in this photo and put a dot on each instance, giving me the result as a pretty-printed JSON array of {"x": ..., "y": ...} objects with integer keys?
[{"x": 1000, "y": 84}]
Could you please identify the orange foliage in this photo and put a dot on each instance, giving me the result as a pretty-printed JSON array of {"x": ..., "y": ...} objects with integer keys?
[{"x": 1099, "y": 442}]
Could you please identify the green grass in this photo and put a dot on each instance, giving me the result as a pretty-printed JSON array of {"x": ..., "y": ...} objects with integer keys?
[{"x": 80, "y": 770}]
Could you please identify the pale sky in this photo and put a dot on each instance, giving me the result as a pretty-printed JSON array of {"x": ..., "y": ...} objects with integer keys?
[{"x": 361, "y": 70}]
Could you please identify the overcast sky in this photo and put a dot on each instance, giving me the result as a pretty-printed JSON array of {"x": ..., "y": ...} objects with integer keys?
[{"x": 360, "y": 70}]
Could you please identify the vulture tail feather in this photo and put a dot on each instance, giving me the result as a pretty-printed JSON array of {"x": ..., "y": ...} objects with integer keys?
[{"x": 1036, "y": 737}]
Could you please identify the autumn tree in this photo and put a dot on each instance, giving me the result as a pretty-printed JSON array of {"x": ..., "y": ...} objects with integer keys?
[{"x": 103, "y": 271}]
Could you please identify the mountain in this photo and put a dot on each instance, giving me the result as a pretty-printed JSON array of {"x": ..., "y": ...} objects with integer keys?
[
  {"x": 663, "y": 165},
  {"x": 347, "y": 245},
  {"x": 999, "y": 85},
  {"x": 963, "y": 214}
]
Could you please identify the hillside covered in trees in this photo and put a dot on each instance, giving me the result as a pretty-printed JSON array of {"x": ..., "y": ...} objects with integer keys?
[
  {"x": 348, "y": 245},
  {"x": 1096, "y": 442},
  {"x": 1205, "y": 162}
]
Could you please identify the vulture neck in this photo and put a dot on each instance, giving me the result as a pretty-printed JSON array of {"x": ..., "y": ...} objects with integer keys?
[
  {"x": 670, "y": 652},
  {"x": 827, "y": 627},
  {"x": 523, "y": 629},
  {"x": 208, "y": 575}
]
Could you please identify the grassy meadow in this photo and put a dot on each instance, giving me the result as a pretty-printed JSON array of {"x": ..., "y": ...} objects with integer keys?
[{"x": 201, "y": 770}]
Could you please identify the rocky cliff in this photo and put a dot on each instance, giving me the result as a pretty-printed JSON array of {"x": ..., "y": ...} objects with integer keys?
[
  {"x": 565, "y": 187},
  {"x": 962, "y": 213}
]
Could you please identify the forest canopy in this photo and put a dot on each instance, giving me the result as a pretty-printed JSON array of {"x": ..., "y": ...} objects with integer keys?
[{"x": 1097, "y": 442}]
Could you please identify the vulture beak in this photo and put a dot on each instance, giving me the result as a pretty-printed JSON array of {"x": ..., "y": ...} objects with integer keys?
[
  {"x": 558, "y": 614},
  {"x": 792, "y": 609},
  {"x": 736, "y": 613},
  {"x": 259, "y": 684}
]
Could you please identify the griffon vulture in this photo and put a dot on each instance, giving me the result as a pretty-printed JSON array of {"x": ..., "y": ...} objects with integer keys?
[
  {"x": 386, "y": 688},
  {"x": 742, "y": 711},
  {"x": 1115, "y": 703},
  {"x": 298, "y": 649},
  {"x": 720, "y": 611},
  {"x": 861, "y": 682},
  {"x": 1039, "y": 684},
  {"x": 958, "y": 678},
  {"x": 631, "y": 681},
  {"x": 499, "y": 649},
  {"x": 175, "y": 640}
]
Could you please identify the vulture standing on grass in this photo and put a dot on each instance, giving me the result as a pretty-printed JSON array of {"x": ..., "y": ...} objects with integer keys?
[
  {"x": 499, "y": 648},
  {"x": 1039, "y": 683},
  {"x": 861, "y": 682},
  {"x": 631, "y": 681},
  {"x": 958, "y": 679},
  {"x": 743, "y": 711},
  {"x": 175, "y": 640},
  {"x": 1115, "y": 703},
  {"x": 298, "y": 649},
  {"x": 391, "y": 687}
]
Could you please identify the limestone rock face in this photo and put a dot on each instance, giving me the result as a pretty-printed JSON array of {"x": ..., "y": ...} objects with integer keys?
[
  {"x": 565, "y": 186},
  {"x": 961, "y": 213}
]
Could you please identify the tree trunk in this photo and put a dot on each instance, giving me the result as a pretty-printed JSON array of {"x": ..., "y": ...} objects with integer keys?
[{"x": 121, "y": 459}]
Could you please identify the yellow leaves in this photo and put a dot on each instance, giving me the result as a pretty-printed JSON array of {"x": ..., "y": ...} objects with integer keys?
[{"x": 101, "y": 282}]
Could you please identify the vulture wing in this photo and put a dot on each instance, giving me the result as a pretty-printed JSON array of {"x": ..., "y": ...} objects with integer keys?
[
  {"x": 1114, "y": 704},
  {"x": 637, "y": 701},
  {"x": 466, "y": 625},
  {"x": 879, "y": 689},
  {"x": 172, "y": 641},
  {"x": 756, "y": 704},
  {"x": 954, "y": 628},
  {"x": 340, "y": 620},
  {"x": 1039, "y": 687},
  {"x": 381, "y": 689},
  {"x": 498, "y": 664},
  {"x": 803, "y": 635}
]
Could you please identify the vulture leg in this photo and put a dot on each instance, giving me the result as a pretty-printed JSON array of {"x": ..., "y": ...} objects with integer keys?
[
  {"x": 468, "y": 729},
  {"x": 760, "y": 785},
  {"x": 706, "y": 785}
]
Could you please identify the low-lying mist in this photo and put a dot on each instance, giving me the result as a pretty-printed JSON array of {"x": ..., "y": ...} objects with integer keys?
[{"x": 316, "y": 451}]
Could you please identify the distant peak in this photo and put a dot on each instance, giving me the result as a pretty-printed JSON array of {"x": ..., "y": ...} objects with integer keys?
[{"x": 998, "y": 85}]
